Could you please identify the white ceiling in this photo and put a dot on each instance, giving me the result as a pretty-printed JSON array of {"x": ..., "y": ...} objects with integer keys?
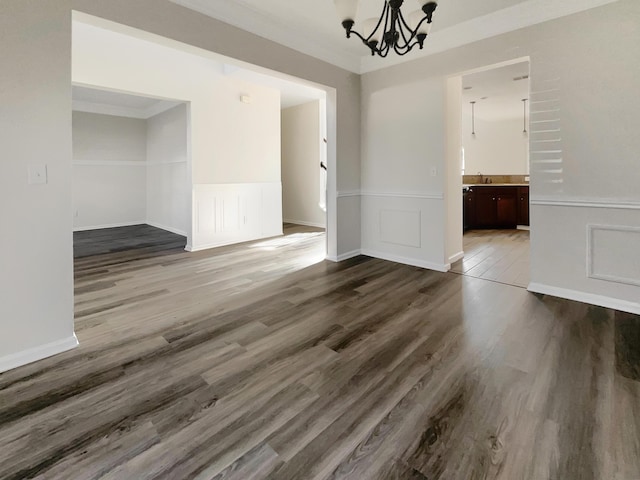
[
  {"x": 93, "y": 100},
  {"x": 312, "y": 26},
  {"x": 497, "y": 95}
]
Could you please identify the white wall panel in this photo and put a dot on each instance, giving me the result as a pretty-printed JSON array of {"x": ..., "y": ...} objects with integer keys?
[
  {"x": 614, "y": 253},
  {"x": 233, "y": 213},
  {"x": 404, "y": 228}
]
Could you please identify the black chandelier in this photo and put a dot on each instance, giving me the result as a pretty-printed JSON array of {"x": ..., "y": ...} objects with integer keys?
[{"x": 391, "y": 31}]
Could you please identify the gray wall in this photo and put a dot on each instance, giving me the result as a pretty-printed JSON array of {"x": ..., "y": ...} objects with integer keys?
[
  {"x": 36, "y": 277},
  {"x": 109, "y": 170}
]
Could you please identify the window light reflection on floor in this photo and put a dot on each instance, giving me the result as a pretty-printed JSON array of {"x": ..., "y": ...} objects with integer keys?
[{"x": 274, "y": 244}]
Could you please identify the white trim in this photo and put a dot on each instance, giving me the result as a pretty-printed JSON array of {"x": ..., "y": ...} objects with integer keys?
[
  {"x": 106, "y": 109},
  {"x": 168, "y": 229},
  {"x": 111, "y": 225},
  {"x": 159, "y": 107},
  {"x": 349, "y": 193},
  {"x": 109, "y": 163},
  {"x": 34, "y": 354},
  {"x": 208, "y": 246},
  {"x": 305, "y": 224},
  {"x": 414, "y": 262},
  {"x": 125, "y": 163},
  {"x": 586, "y": 203},
  {"x": 121, "y": 111},
  {"x": 345, "y": 256},
  {"x": 454, "y": 258},
  {"x": 418, "y": 195},
  {"x": 165, "y": 162},
  {"x": 584, "y": 297},
  {"x": 590, "y": 254}
]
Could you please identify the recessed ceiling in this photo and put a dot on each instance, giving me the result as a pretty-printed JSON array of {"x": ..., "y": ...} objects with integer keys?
[
  {"x": 93, "y": 100},
  {"x": 497, "y": 95},
  {"x": 312, "y": 26}
]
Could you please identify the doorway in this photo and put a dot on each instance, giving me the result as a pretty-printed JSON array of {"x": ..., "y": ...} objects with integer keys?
[
  {"x": 494, "y": 167},
  {"x": 131, "y": 186}
]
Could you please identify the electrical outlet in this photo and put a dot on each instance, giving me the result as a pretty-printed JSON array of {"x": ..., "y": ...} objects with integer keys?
[{"x": 434, "y": 171}]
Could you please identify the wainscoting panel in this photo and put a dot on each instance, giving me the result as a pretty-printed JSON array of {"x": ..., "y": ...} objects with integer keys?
[
  {"x": 404, "y": 228},
  {"x": 400, "y": 227},
  {"x": 587, "y": 250},
  {"x": 614, "y": 253},
  {"x": 232, "y": 213}
]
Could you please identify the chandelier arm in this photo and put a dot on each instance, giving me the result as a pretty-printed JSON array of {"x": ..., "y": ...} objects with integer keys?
[
  {"x": 353, "y": 32},
  {"x": 425, "y": 19},
  {"x": 383, "y": 42},
  {"x": 383, "y": 52},
  {"x": 382, "y": 15},
  {"x": 403, "y": 50},
  {"x": 402, "y": 22}
]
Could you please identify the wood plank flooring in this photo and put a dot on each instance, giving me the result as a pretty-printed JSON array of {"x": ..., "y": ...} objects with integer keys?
[
  {"x": 497, "y": 255},
  {"x": 123, "y": 239},
  {"x": 264, "y": 361}
]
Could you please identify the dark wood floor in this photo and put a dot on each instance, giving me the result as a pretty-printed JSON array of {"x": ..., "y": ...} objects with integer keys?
[
  {"x": 139, "y": 238},
  {"x": 496, "y": 255},
  {"x": 264, "y": 361}
]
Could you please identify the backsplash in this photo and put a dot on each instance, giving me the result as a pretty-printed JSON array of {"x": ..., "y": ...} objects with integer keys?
[{"x": 475, "y": 179}]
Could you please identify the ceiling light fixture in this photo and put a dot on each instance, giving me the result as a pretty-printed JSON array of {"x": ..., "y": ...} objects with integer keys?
[
  {"x": 473, "y": 119},
  {"x": 391, "y": 31}
]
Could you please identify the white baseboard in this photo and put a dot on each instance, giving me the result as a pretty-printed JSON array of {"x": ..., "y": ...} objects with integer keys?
[
  {"x": 199, "y": 248},
  {"x": 439, "y": 267},
  {"x": 15, "y": 360},
  {"x": 110, "y": 225},
  {"x": 306, "y": 224},
  {"x": 455, "y": 258},
  {"x": 584, "y": 297},
  {"x": 168, "y": 229},
  {"x": 523, "y": 227},
  {"x": 344, "y": 256}
]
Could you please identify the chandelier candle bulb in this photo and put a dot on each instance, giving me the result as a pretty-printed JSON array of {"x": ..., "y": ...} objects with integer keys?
[{"x": 347, "y": 11}]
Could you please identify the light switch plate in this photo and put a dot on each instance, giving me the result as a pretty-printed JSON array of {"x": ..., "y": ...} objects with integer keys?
[{"x": 37, "y": 174}]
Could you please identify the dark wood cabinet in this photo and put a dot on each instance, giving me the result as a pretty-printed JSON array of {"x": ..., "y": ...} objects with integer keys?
[
  {"x": 486, "y": 208},
  {"x": 469, "y": 210},
  {"x": 523, "y": 206},
  {"x": 496, "y": 206}
]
